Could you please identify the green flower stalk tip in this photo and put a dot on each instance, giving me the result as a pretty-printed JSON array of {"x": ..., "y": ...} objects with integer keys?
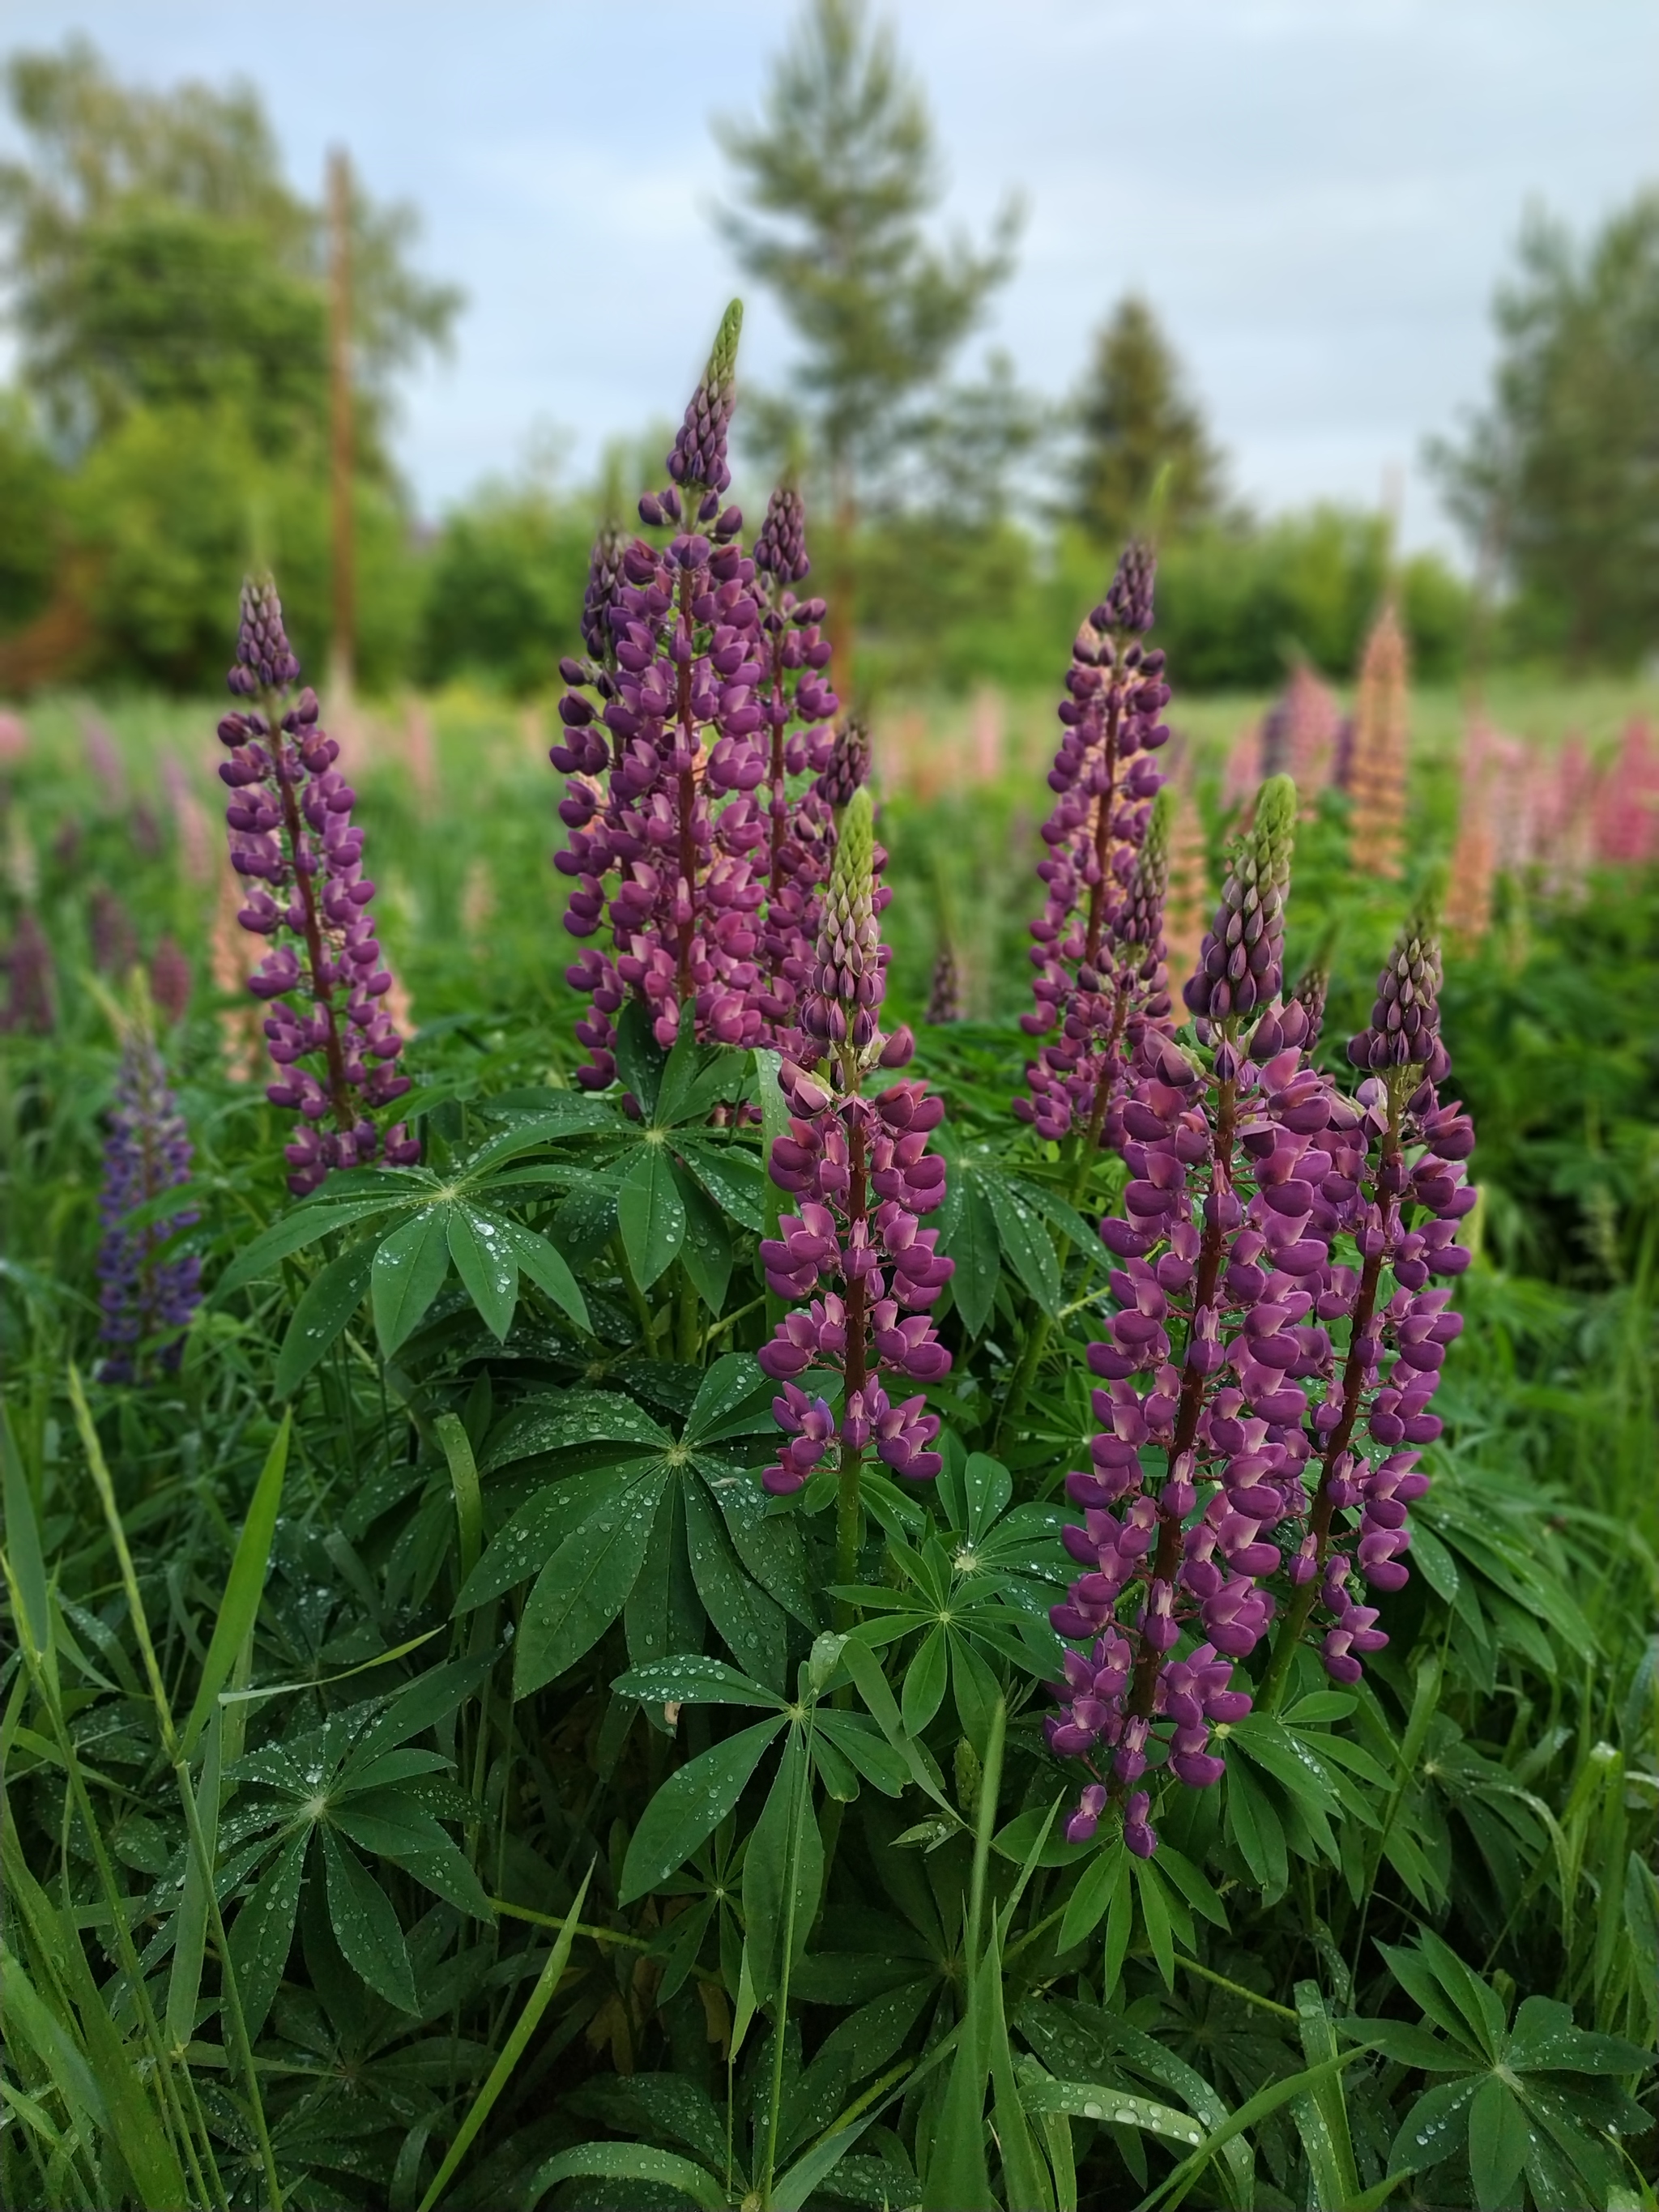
[
  {"x": 723, "y": 357},
  {"x": 1275, "y": 832}
]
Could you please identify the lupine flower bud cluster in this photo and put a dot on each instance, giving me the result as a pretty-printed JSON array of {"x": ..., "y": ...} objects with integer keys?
[
  {"x": 147, "y": 1152},
  {"x": 1257, "y": 1384},
  {"x": 293, "y": 842},
  {"x": 670, "y": 730},
  {"x": 1241, "y": 960},
  {"x": 855, "y": 1252},
  {"x": 944, "y": 992},
  {"x": 1104, "y": 778}
]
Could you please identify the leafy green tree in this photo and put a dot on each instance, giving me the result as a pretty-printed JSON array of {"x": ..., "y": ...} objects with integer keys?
[
  {"x": 29, "y": 500},
  {"x": 504, "y": 587},
  {"x": 1135, "y": 419},
  {"x": 837, "y": 179},
  {"x": 1558, "y": 478},
  {"x": 162, "y": 517},
  {"x": 156, "y": 254}
]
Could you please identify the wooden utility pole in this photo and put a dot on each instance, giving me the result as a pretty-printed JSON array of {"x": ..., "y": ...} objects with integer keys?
[{"x": 339, "y": 351}]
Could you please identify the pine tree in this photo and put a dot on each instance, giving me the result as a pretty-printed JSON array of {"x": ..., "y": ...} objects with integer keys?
[
  {"x": 835, "y": 179},
  {"x": 1135, "y": 419}
]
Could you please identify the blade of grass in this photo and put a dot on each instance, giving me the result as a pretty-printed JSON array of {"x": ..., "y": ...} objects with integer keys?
[
  {"x": 239, "y": 1606},
  {"x": 105, "y": 1489},
  {"x": 500, "y": 2073},
  {"x": 1175, "y": 2187},
  {"x": 137, "y": 2132}
]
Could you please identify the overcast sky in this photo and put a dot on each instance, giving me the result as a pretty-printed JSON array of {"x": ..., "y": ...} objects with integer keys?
[{"x": 1318, "y": 195}]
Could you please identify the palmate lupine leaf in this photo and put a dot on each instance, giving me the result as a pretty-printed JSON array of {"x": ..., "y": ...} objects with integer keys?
[{"x": 1515, "y": 2099}]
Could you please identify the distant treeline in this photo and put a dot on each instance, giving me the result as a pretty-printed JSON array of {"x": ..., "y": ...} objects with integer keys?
[
  {"x": 170, "y": 425},
  {"x": 118, "y": 570}
]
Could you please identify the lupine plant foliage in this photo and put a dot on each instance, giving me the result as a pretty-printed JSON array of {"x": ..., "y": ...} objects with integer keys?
[{"x": 736, "y": 1612}]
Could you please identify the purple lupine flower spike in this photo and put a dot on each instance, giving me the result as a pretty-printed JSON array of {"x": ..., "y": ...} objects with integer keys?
[
  {"x": 801, "y": 832},
  {"x": 1128, "y": 606},
  {"x": 147, "y": 1152},
  {"x": 861, "y": 1271},
  {"x": 291, "y": 833},
  {"x": 1405, "y": 1024},
  {"x": 1289, "y": 1396},
  {"x": 670, "y": 846},
  {"x": 1103, "y": 777},
  {"x": 1218, "y": 1234},
  {"x": 264, "y": 659},
  {"x": 1398, "y": 1151}
]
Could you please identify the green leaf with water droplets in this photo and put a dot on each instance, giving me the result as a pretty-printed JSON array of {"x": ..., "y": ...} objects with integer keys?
[
  {"x": 785, "y": 1854},
  {"x": 1093, "y": 1893},
  {"x": 1026, "y": 1244},
  {"x": 1436, "y": 2124},
  {"x": 549, "y": 1271},
  {"x": 651, "y": 1215},
  {"x": 748, "y": 1620},
  {"x": 769, "y": 1545},
  {"x": 924, "y": 1683},
  {"x": 735, "y": 1399},
  {"x": 561, "y": 1418},
  {"x": 321, "y": 1316},
  {"x": 587, "y": 1219},
  {"x": 573, "y": 1114},
  {"x": 640, "y": 1059},
  {"x": 366, "y": 1927},
  {"x": 585, "y": 1585},
  {"x": 975, "y": 1246},
  {"x": 706, "y": 1250},
  {"x": 408, "y": 1273},
  {"x": 690, "y": 1805},
  {"x": 262, "y": 1933},
  {"x": 524, "y": 1544},
  {"x": 692, "y": 1679},
  {"x": 483, "y": 1249},
  {"x": 733, "y": 1177},
  {"x": 303, "y": 1227}
]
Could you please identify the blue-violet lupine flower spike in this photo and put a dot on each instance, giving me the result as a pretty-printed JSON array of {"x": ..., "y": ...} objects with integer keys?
[
  {"x": 291, "y": 833},
  {"x": 147, "y": 1301},
  {"x": 1104, "y": 778}
]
